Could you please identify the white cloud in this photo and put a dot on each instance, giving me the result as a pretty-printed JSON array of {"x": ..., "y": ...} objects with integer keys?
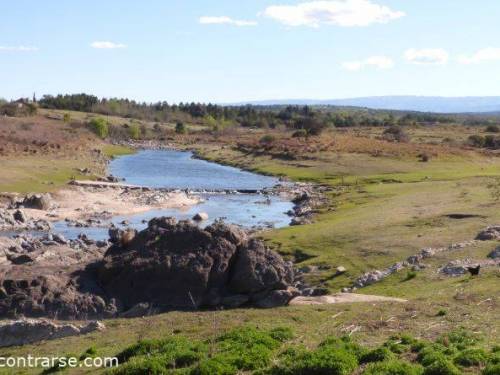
[
  {"x": 224, "y": 20},
  {"x": 427, "y": 56},
  {"x": 339, "y": 12},
  {"x": 18, "y": 48},
  {"x": 107, "y": 45},
  {"x": 483, "y": 55},
  {"x": 379, "y": 62}
]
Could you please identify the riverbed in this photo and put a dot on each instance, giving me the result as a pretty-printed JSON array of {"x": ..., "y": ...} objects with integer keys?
[{"x": 171, "y": 169}]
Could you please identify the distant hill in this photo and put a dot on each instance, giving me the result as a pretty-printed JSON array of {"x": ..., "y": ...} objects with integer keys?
[{"x": 438, "y": 104}]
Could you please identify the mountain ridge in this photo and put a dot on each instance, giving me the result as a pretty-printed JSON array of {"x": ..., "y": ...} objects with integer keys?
[{"x": 437, "y": 104}]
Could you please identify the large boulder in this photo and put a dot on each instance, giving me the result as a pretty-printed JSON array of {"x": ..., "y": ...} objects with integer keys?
[{"x": 179, "y": 265}]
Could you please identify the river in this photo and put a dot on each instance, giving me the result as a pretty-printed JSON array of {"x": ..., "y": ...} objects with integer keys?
[{"x": 179, "y": 170}]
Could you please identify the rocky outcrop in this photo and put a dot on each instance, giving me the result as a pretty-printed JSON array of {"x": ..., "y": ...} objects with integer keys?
[
  {"x": 27, "y": 331},
  {"x": 490, "y": 233},
  {"x": 169, "y": 265},
  {"x": 174, "y": 264}
]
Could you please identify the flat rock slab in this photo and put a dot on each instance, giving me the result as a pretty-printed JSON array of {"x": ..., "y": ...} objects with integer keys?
[{"x": 342, "y": 298}]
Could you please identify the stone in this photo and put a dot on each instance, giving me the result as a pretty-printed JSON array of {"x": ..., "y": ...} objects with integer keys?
[
  {"x": 200, "y": 216},
  {"x": 490, "y": 233},
  {"x": 276, "y": 298},
  {"x": 495, "y": 254},
  {"x": 137, "y": 311},
  {"x": 28, "y": 331},
  {"x": 37, "y": 201},
  {"x": 19, "y": 216},
  {"x": 340, "y": 270}
]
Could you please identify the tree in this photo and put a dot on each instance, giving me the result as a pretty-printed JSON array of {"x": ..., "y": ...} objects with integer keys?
[
  {"x": 100, "y": 127},
  {"x": 134, "y": 131},
  {"x": 180, "y": 128}
]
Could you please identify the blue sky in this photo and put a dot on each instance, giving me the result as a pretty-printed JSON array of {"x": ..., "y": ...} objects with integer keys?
[{"x": 230, "y": 51}]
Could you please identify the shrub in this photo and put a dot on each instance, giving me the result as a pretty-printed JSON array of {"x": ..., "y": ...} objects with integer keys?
[
  {"x": 492, "y": 129},
  {"x": 100, "y": 127},
  {"x": 393, "y": 367},
  {"x": 89, "y": 353},
  {"x": 471, "y": 357},
  {"x": 396, "y": 133},
  {"x": 424, "y": 157},
  {"x": 492, "y": 370},
  {"x": 174, "y": 351},
  {"x": 441, "y": 367},
  {"x": 67, "y": 117},
  {"x": 180, "y": 128},
  {"x": 301, "y": 133},
  {"x": 460, "y": 338},
  {"x": 134, "y": 132},
  {"x": 248, "y": 348},
  {"x": 475, "y": 141},
  {"x": 410, "y": 275},
  {"x": 377, "y": 355},
  {"x": 267, "y": 139},
  {"x": 214, "y": 366},
  {"x": 325, "y": 360},
  {"x": 442, "y": 312},
  {"x": 346, "y": 344}
]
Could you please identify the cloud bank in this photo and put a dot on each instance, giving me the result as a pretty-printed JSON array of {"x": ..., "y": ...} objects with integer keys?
[{"x": 346, "y": 13}]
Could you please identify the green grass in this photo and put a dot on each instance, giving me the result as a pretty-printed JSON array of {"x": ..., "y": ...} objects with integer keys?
[
  {"x": 281, "y": 351},
  {"x": 112, "y": 151}
]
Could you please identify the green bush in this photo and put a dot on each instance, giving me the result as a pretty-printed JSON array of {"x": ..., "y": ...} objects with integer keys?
[
  {"x": 492, "y": 370},
  {"x": 214, "y": 366},
  {"x": 441, "y": 367},
  {"x": 345, "y": 343},
  {"x": 180, "y": 128},
  {"x": 172, "y": 351},
  {"x": 134, "y": 131},
  {"x": 460, "y": 338},
  {"x": 100, "y": 127},
  {"x": 323, "y": 361},
  {"x": 393, "y": 367},
  {"x": 377, "y": 355},
  {"x": 267, "y": 139},
  {"x": 471, "y": 357}
]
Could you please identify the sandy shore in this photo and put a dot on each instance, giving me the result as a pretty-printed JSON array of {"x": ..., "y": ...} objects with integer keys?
[{"x": 77, "y": 203}]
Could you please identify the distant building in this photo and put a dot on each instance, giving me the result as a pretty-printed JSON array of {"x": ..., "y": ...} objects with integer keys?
[{"x": 18, "y": 108}]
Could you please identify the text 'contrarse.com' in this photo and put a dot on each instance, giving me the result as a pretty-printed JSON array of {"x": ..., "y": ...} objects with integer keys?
[{"x": 29, "y": 361}]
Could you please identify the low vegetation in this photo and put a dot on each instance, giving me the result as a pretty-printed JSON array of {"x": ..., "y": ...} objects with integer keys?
[{"x": 278, "y": 351}]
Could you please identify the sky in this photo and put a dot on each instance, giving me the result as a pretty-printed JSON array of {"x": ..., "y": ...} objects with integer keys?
[{"x": 226, "y": 51}]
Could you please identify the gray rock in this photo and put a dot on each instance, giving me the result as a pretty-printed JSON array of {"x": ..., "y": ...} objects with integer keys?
[
  {"x": 200, "y": 216},
  {"x": 37, "y": 201},
  {"x": 137, "y": 311},
  {"x": 28, "y": 331},
  {"x": 277, "y": 298},
  {"x": 19, "y": 216},
  {"x": 495, "y": 254}
]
